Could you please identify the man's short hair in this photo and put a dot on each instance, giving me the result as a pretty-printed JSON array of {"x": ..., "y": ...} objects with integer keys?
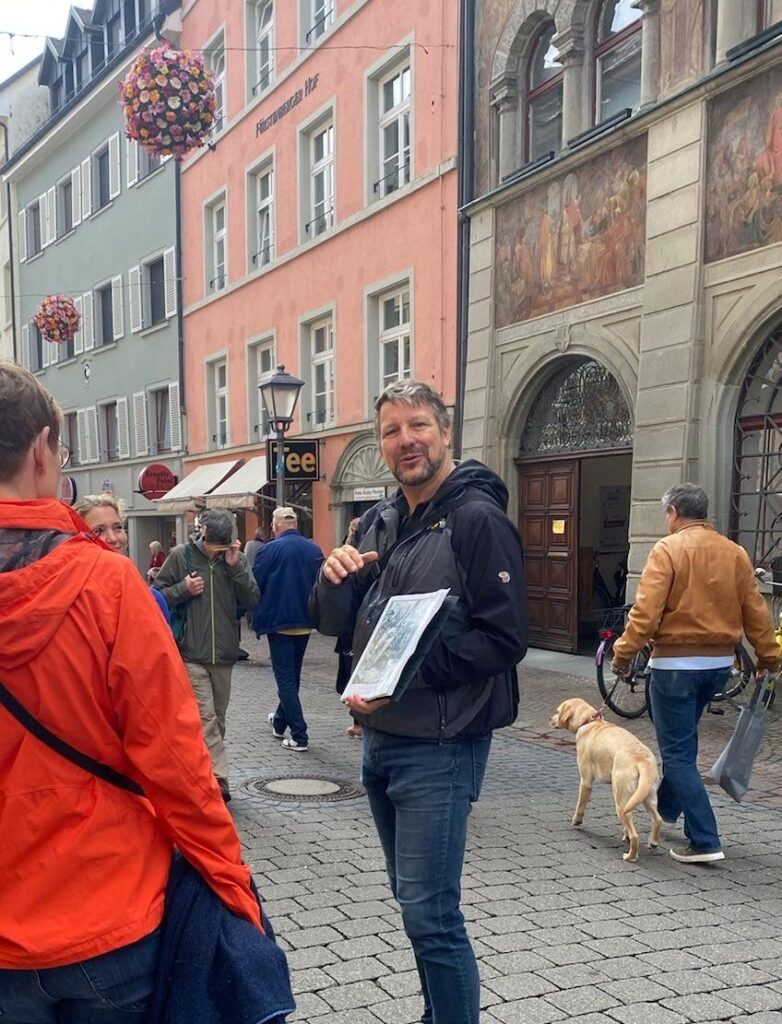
[
  {"x": 218, "y": 526},
  {"x": 26, "y": 407},
  {"x": 412, "y": 392},
  {"x": 284, "y": 513},
  {"x": 260, "y": 533},
  {"x": 688, "y": 500}
]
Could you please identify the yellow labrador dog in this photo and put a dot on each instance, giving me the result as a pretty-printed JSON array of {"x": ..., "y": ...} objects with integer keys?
[{"x": 610, "y": 754}]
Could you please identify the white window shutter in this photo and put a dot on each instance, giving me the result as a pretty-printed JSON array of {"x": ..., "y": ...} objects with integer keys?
[
  {"x": 114, "y": 166},
  {"x": 123, "y": 429},
  {"x": 78, "y": 338},
  {"x": 141, "y": 439},
  {"x": 51, "y": 207},
  {"x": 117, "y": 307},
  {"x": 83, "y": 453},
  {"x": 22, "y": 235},
  {"x": 46, "y": 349},
  {"x": 25, "y": 353},
  {"x": 169, "y": 277},
  {"x": 132, "y": 162},
  {"x": 76, "y": 196},
  {"x": 92, "y": 434},
  {"x": 86, "y": 187},
  {"x": 134, "y": 287},
  {"x": 87, "y": 324},
  {"x": 43, "y": 218},
  {"x": 54, "y": 354},
  {"x": 175, "y": 417}
]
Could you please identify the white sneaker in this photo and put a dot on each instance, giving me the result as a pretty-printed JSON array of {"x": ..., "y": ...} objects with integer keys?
[
  {"x": 291, "y": 744},
  {"x": 275, "y": 734},
  {"x": 687, "y": 855}
]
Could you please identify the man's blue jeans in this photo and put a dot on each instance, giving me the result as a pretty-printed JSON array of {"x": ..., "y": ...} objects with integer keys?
[
  {"x": 287, "y": 654},
  {"x": 115, "y": 988},
  {"x": 678, "y": 700},
  {"x": 421, "y": 794}
]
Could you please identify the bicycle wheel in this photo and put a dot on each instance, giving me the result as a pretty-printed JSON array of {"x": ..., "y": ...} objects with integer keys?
[
  {"x": 625, "y": 697},
  {"x": 741, "y": 674}
]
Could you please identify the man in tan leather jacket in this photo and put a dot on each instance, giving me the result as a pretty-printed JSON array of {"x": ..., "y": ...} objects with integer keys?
[{"x": 696, "y": 597}]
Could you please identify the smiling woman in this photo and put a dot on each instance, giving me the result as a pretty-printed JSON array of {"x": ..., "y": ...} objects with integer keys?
[{"x": 104, "y": 515}]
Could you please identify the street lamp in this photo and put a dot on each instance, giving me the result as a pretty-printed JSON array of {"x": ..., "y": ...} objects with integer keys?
[{"x": 280, "y": 393}]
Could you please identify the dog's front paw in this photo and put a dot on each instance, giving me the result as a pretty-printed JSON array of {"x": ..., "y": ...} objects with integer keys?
[
  {"x": 630, "y": 857},
  {"x": 653, "y": 845},
  {"x": 576, "y": 820}
]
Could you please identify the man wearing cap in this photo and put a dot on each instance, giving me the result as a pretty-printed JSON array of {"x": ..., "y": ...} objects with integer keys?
[
  {"x": 285, "y": 571},
  {"x": 212, "y": 575}
]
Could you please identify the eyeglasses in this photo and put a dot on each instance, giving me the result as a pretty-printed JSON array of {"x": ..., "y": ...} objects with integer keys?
[{"x": 65, "y": 454}]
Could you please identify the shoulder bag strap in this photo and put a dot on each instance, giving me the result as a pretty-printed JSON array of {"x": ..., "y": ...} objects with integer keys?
[{"x": 59, "y": 746}]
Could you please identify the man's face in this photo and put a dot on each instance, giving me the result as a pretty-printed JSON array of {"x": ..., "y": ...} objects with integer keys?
[
  {"x": 671, "y": 519},
  {"x": 412, "y": 443}
]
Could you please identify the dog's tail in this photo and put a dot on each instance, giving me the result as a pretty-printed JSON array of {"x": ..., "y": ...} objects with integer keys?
[{"x": 646, "y": 780}]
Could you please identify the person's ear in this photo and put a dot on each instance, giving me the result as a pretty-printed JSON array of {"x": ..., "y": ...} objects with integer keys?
[{"x": 41, "y": 451}]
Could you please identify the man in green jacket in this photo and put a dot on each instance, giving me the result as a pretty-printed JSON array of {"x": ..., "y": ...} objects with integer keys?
[{"x": 214, "y": 578}]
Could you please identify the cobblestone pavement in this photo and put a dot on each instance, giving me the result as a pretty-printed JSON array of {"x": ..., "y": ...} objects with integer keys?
[{"x": 563, "y": 928}]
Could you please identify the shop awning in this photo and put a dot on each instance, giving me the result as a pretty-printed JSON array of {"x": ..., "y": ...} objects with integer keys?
[
  {"x": 195, "y": 487},
  {"x": 239, "y": 490}
]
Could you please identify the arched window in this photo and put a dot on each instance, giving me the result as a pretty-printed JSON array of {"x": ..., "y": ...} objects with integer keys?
[
  {"x": 544, "y": 96},
  {"x": 617, "y": 58},
  {"x": 757, "y": 451}
]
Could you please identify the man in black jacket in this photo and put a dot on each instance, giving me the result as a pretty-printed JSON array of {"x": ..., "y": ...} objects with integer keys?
[{"x": 424, "y": 756}]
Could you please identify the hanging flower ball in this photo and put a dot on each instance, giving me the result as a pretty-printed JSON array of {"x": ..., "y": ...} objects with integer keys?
[
  {"x": 168, "y": 99},
  {"x": 57, "y": 318}
]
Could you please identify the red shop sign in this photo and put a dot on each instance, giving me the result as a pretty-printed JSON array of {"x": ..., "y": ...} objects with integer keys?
[{"x": 155, "y": 481}]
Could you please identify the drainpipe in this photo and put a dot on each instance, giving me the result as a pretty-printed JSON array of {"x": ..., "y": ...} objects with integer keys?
[
  {"x": 180, "y": 317},
  {"x": 11, "y": 217},
  {"x": 465, "y": 145}
]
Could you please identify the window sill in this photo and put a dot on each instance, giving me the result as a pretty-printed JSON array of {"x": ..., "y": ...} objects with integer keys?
[
  {"x": 67, "y": 362},
  {"x": 61, "y": 238},
  {"x": 153, "y": 328},
  {"x": 101, "y": 348},
  {"x": 97, "y": 213},
  {"x": 35, "y": 256},
  {"x": 147, "y": 177}
]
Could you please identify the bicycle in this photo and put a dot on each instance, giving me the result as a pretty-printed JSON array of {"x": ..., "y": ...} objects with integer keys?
[{"x": 628, "y": 696}]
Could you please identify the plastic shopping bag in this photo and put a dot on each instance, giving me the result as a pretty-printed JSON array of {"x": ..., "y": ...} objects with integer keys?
[{"x": 733, "y": 768}]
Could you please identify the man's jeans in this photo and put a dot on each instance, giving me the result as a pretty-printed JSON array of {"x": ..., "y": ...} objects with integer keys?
[
  {"x": 421, "y": 794},
  {"x": 678, "y": 700},
  {"x": 287, "y": 655},
  {"x": 115, "y": 988}
]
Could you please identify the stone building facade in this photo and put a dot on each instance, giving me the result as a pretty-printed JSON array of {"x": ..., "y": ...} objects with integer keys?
[{"x": 625, "y": 299}]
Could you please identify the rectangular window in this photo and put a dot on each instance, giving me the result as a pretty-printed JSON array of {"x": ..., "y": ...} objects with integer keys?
[
  {"x": 148, "y": 163},
  {"x": 155, "y": 288},
  {"x": 36, "y": 349},
  {"x": 261, "y": 365},
  {"x": 104, "y": 315},
  {"x": 129, "y": 12},
  {"x": 394, "y": 340},
  {"x": 218, "y": 403},
  {"x": 264, "y": 42},
  {"x": 100, "y": 175},
  {"x": 322, "y": 361},
  {"x": 217, "y": 233},
  {"x": 321, "y": 146},
  {"x": 161, "y": 407},
  {"x": 70, "y": 435},
  {"x": 216, "y": 62},
  {"x": 65, "y": 207},
  {"x": 395, "y": 93},
  {"x": 321, "y": 18},
  {"x": 264, "y": 217},
  {"x": 113, "y": 29},
  {"x": 33, "y": 229},
  {"x": 110, "y": 431}
]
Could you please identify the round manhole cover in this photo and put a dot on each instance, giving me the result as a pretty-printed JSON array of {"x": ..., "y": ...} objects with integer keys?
[{"x": 305, "y": 788}]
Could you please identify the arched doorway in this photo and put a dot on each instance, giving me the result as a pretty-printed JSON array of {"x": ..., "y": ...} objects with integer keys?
[
  {"x": 574, "y": 471},
  {"x": 757, "y": 453},
  {"x": 361, "y": 479}
]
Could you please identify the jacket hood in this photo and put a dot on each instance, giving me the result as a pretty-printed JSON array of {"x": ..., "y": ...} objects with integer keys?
[
  {"x": 35, "y": 599},
  {"x": 475, "y": 476}
]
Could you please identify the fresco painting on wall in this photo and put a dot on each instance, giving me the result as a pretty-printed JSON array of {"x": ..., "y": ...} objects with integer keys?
[
  {"x": 573, "y": 239},
  {"x": 681, "y": 43},
  {"x": 744, "y": 167}
]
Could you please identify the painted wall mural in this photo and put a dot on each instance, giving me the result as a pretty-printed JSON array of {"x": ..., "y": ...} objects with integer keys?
[
  {"x": 744, "y": 167},
  {"x": 573, "y": 239},
  {"x": 681, "y": 43}
]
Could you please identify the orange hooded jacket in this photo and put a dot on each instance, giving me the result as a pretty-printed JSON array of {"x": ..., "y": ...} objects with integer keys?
[{"x": 84, "y": 865}]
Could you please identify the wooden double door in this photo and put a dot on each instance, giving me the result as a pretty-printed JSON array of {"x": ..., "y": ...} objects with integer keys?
[{"x": 548, "y": 523}]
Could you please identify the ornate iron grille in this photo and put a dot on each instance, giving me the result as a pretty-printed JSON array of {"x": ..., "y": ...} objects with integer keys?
[
  {"x": 757, "y": 458},
  {"x": 581, "y": 408}
]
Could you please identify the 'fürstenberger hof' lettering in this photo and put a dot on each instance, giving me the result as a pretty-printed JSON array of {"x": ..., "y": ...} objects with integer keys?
[{"x": 292, "y": 101}]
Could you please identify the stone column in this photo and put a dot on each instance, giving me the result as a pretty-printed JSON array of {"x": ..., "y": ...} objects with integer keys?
[
  {"x": 650, "y": 51},
  {"x": 571, "y": 56},
  {"x": 736, "y": 21},
  {"x": 505, "y": 101}
]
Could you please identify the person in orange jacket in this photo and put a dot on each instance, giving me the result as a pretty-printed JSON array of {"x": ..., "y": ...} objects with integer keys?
[{"x": 83, "y": 647}]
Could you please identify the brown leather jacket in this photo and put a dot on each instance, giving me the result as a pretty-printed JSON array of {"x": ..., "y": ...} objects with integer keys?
[{"x": 697, "y": 596}]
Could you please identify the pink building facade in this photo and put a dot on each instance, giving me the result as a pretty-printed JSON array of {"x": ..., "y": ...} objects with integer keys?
[{"x": 319, "y": 232}]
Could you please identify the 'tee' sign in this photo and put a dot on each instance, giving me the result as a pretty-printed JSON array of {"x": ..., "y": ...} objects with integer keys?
[{"x": 301, "y": 460}]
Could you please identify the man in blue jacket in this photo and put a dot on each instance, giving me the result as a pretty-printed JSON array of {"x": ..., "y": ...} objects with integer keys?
[{"x": 285, "y": 571}]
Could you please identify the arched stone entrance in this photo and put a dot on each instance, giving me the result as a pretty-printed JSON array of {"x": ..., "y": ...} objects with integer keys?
[
  {"x": 361, "y": 479},
  {"x": 574, "y": 470}
]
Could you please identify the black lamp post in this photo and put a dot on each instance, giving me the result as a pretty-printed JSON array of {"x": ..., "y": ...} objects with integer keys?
[{"x": 280, "y": 393}]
